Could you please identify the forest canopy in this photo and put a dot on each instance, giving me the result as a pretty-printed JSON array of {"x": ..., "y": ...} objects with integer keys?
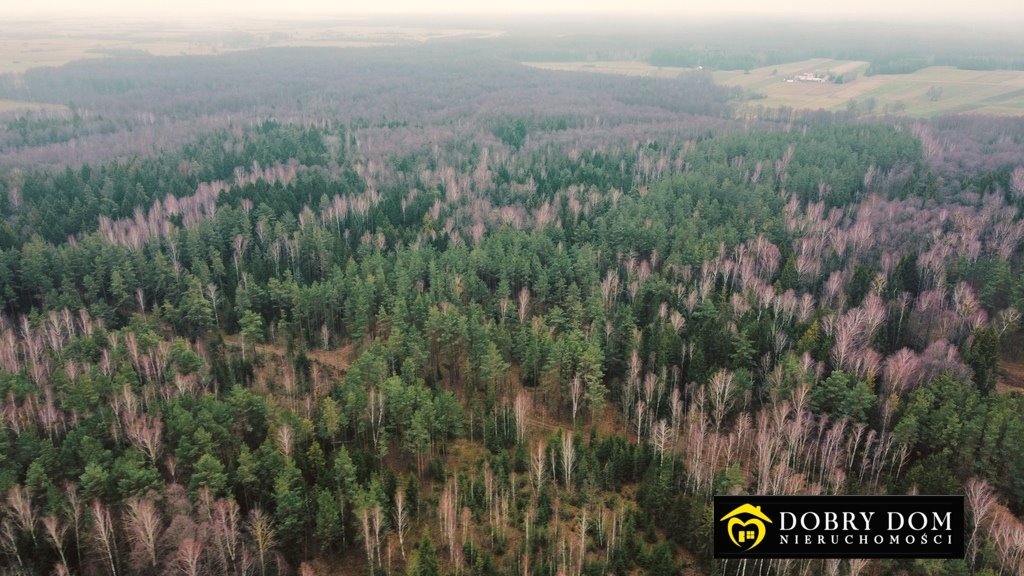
[{"x": 424, "y": 310}]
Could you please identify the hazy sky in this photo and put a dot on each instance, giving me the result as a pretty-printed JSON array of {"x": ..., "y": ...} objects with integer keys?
[{"x": 999, "y": 10}]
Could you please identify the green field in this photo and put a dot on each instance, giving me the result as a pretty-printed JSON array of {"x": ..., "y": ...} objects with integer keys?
[{"x": 927, "y": 92}]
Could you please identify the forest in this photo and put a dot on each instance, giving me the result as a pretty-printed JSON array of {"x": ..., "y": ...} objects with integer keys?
[{"x": 424, "y": 310}]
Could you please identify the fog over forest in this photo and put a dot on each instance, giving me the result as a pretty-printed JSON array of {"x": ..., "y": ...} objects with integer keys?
[{"x": 916, "y": 10}]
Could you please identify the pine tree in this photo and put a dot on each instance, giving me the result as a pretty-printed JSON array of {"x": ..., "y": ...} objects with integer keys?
[{"x": 424, "y": 561}]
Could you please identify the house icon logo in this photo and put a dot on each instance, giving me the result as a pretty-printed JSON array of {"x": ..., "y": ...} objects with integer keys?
[{"x": 749, "y": 532}]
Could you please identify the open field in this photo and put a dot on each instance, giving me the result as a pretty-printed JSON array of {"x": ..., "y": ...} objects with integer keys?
[
  {"x": 31, "y": 44},
  {"x": 771, "y": 82},
  {"x": 927, "y": 92},
  {"x": 625, "y": 68},
  {"x": 1011, "y": 366},
  {"x": 1011, "y": 376},
  {"x": 14, "y": 105}
]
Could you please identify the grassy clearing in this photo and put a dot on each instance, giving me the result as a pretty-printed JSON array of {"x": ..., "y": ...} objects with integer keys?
[
  {"x": 928, "y": 92},
  {"x": 1011, "y": 376},
  {"x": 624, "y": 68},
  {"x": 20, "y": 106},
  {"x": 25, "y": 45}
]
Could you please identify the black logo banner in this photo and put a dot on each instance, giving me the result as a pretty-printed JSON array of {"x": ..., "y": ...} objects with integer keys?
[{"x": 839, "y": 527}]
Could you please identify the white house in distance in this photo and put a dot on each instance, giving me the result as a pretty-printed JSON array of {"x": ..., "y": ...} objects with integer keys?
[{"x": 808, "y": 77}]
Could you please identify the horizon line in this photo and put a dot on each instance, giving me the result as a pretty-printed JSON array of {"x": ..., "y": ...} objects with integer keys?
[{"x": 741, "y": 15}]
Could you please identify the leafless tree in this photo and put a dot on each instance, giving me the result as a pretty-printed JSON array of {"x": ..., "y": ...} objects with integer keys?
[
  {"x": 55, "y": 532},
  {"x": 720, "y": 393},
  {"x": 857, "y": 566},
  {"x": 226, "y": 533},
  {"x": 537, "y": 459},
  {"x": 189, "y": 557},
  {"x": 980, "y": 500},
  {"x": 641, "y": 410},
  {"x": 261, "y": 531},
  {"x": 582, "y": 530},
  {"x": 378, "y": 522},
  {"x": 448, "y": 510},
  {"x": 368, "y": 543},
  {"x": 21, "y": 511},
  {"x": 1007, "y": 319},
  {"x": 575, "y": 394},
  {"x": 568, "y": 457},
  {"x": 1017, "y": 182},
  {"x": 375, "y": 408},
  {"x": 211, "y": 293},
  {"x": 524, "y": 303},
  {"x": 104, "y": 535},
  {"x": 521, "y": 411},
  {"x": 144, "y": 528},
  {"x": 144, "y": 432},
  {"x": 284, "y": 440},
  {"x": 660, "y": 438},
  {"x": 75, "y": 511},
  {"x": 401, "y": 520}
]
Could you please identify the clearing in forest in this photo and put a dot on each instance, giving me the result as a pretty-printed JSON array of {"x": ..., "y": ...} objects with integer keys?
[
  {"x": 927, "y": 92},
  {"x": 623, "y": 67},
  {"x": 28, "y": 44},
  {"x": 18, "y": 105}
]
